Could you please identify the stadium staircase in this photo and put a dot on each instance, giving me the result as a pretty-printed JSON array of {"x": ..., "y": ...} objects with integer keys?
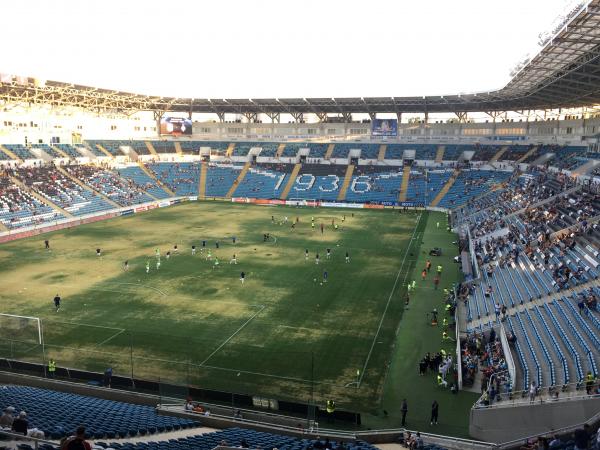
[
  {"x": 239, "y": 180},
  {"x": 439, "y": 155},
  {"x": 59, "y": 151},
  {"x": 291, "y": 181},
  {"x": 230, "y": 149},
  {"x": 151, "y": 148},
  {"x": 10, "y": 154},
  {"x": 202, "y": 182},
  {"x": 178, "y": 149},
  {"x": 528, "y": 154},
  {"x": 404, "y": 186},
  {"x": 446, "y": 188},
  {"x": 86, "y": 187},
  {"x": 151, "y": 175},
  {"x": 329, "y": 151},
  {"x": 103, "y": 150},
  {"x": 349, "y": 171},
  {"x": 41, "y": 198},
  {"x": 381, "y": 155},
  {"x": 280, "y": 150},
  {"x": 499, "y": 154}
]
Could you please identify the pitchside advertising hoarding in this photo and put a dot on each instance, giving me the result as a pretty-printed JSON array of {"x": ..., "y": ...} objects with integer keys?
[
  {"x": 175, "y": 125},
  {"x": 384, "y": 127}
]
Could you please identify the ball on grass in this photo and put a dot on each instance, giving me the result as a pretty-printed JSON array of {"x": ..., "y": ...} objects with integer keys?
[
  {"x": 321, "y": 284},
  {"x": 315, "y": 280}
]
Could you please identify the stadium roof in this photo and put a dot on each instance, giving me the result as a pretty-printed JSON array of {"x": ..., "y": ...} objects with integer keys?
[{"x": 564, "y": 74}]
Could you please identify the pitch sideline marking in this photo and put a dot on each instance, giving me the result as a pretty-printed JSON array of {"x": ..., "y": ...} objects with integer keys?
[
  {"x": 388, "y": 301},
  {"x": 262, "y": 307}
]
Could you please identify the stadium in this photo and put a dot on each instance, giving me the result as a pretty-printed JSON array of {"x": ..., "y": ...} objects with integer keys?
[{"x": 293, "y": 273}]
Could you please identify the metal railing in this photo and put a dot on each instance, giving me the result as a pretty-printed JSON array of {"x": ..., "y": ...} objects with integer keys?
[
  {"x": 17, "y": 438},
  {"x": 552, "y": 394}
]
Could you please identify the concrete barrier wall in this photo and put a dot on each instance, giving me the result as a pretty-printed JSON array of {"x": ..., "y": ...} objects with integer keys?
[{"x": 507, "y": 424}]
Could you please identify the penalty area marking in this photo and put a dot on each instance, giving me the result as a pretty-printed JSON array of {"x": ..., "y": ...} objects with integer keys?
[
  {"x": 412, "y": 238},
  {"x": 138, "y": 285},
  {"x": 262, "y": 307},
  {"x": 122, "y": 330}
]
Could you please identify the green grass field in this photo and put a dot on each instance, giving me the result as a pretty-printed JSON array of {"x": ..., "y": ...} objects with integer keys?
[{"x": 281, "y": 334}]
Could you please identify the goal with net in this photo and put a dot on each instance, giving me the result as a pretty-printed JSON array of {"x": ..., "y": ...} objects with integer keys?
[{"x": 23, "y": 329}]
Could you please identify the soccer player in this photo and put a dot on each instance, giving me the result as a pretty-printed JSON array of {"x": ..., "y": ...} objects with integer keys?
[
  {"x": 208, "y": 256},
  {"x": 126, "y": 266},
  {"x": 439, "y": 270},
  {"x": 313, "y": 226},
  {"x": 57, "y": 302},
  {"x": 306, "y": 254},
  {"x": 168, "y": 255},
  {"x": 414, "y": 285},
  {"x": 325, "y": 276},
  {"x": 428, "y": 265},
  {"x": 147, "y": 266},
  {"x": 343, "y": 218},
  {"x": 217, "y": 245},
  {"x": 216, "y": 265},
  {"x": 233, "y": 240},
  {"x": 347, "y": 257},
  {"x": 47, "y": 244},
  {"x": 317, "y": 259},
  {"x": 242, "y": 277},
  {"x": 193, "y": 250},
  {"x": 158, "y": 263},
  {"x": 233, "y": 260},
  {"x": 203, "y": 244},
  {"x": 98, "y": 252},
  {"x": 423, "y": 274},
  {"x": 272, "y": 219},
  {"x": 322, "y": 227},
  {"x": 157, "y": 253},
  {"x": 328, "y": 253},
  {"x": 175, "y": 249}
]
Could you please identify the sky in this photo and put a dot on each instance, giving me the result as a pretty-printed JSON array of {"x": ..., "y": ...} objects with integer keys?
[{"x": 274, "y": 48}]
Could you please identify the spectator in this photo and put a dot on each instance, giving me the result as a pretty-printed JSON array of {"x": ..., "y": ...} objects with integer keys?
[
  {"x": 76, "y": 442},
  {"x": 20, "y": 424},
  {"x": 7, "y": 417}
]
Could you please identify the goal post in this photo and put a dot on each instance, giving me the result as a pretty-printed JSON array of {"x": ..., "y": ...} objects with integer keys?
[{"x": 25, "y": 329}]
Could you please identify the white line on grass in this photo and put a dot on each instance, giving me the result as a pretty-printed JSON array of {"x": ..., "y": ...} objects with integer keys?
[
  {"x": 389, "y": 300},
  {"x": 83, "y": 324},
  {"x": 139, "y": 285},
  {"x": 110, "y": 338},
  {"x": 233, "y": 335}
]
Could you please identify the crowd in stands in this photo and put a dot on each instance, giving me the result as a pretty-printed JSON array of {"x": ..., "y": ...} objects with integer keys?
[
  {"x": 58, "y": 188},
  {"x": 124, "y": 192},
  {"x": 19, "y": 208}
]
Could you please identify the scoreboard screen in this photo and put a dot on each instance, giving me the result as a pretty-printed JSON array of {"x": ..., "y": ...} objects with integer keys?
[{"x": 175, "y": 125}]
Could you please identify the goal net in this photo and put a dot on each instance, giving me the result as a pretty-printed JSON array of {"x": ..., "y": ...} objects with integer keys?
[{"x": 20, "y": 329}]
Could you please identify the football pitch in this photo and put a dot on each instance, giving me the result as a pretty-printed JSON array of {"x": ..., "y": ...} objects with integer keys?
[{"x": 284, "y": 333}]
